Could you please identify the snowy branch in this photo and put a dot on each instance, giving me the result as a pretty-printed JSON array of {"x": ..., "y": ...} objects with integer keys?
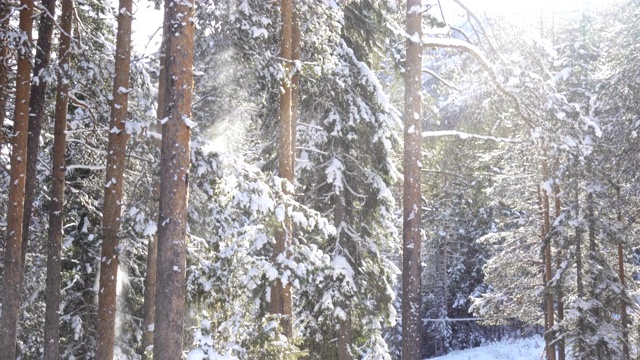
[
  {"x": 486, "y": 64},
  {"x": 440, "y": 78},
  {"x": 464, "y": 135}
]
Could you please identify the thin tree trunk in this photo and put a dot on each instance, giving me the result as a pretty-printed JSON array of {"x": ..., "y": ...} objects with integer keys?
[
  {"x": 36, "y": 113},
  {"x": 345, "y": 333},
  {"x": 150, "y": 284},
  {"x": 561, "y": 342},
  {"x": 114, "y": 185},
  {"x": 623, "y": 305},
  {"x": 12, "y": 279},
  {"x": 580, "y": 345},
  {"x": 281, "y": 293},
  {"x": 174, "y": 181},
  {"x": 5, "y": 11},
  {"x": 550, "y": 311},
  {"x": 411, "y": 197},
  {"x": 56, "y": 216}
]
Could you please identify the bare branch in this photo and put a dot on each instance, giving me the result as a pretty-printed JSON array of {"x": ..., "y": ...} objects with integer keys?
[{"x": 440, "y": 78}]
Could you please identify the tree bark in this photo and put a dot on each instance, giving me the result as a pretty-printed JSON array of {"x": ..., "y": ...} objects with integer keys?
[
  {"x": 152, "y": 248},
  {"x": 345, "y": 334},
  {"x": 36, "y": 113},
  {"x": 550, "y": 311},
  {"x": 13, "y": 274},
  {"x": 560, "y": 294},
  {"x": 281, "y": 293},
  {"x": 580, "y": 345},
  {"x": 117, "y": 147},
  {"x": 56, "y": 216},
  {"x": 5, "y": 11},
  {"x": 174, "y": 181},
  {"x": 623, "y": 304},
  {"x": 411, "y": 197}
]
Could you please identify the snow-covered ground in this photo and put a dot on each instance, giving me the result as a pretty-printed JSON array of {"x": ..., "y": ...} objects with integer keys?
[{"x": 521, "y": 349}]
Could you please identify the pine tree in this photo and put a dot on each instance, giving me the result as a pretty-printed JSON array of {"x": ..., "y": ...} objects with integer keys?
[
  {"x": 411, "y": 198},
  {"x": 112, "y": 210},
  {"x": 54, "y": 243},
  {"x": 13, "y": 268},
  {"x": 174, "y": 181}
]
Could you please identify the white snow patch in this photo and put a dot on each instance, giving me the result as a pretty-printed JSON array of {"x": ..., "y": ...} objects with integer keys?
[{"x": 520, "y": 349}]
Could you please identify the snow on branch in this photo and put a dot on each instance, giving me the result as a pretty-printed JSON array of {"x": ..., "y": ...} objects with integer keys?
[
  {"x": 486, "y": 64},
  {"x": 440, "y": 78},
  {"x": 464, "y": 135}
]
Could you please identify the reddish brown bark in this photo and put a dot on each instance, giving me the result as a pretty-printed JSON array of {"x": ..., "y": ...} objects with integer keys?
[
  {"x": 5, "y": 10},
  {"x": 174, "y": 181},
  {"x": 623, "y": 305},
  {"x": 56, "y": 210},
  {"x": 411, "y": 197},
  {"x": 114, "y": 185},
  {"x": 550, "y": 311},
  {"x": 281, "y": 293},
  {"x": 12, "y": 277},
  {"x": 560, "y": 293},
  {"x": 150, "y": 284},
  {"x": 36, "y": 112}
]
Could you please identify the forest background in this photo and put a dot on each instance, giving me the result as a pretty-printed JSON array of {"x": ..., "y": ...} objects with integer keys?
[{"x": 356, "y": 179}]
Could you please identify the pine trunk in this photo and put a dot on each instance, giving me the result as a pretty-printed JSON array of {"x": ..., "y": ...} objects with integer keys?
[
  {"x": 580, "y": 345},
  {"x": 5, "y": 11},
  {"x": 281, "y": 293},
  {"x": 411, "y": 197},
  {"x": 174, "y": 180},
  {"x": 150, "y": 284},
  {"x": 36, "y": 113},
  {"x": 623, "y": 304},
  {"x": 114, "y": 185},
  {"x": 56, "y": 211},
  {"x": 13, "y": 274},
  {"x": 550, "y": 311},
  {"x": 560, "y": 294}
]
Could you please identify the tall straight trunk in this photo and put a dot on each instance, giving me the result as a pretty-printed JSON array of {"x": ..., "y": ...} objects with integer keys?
[
  {"x": 593, "y": 259},
  {"x": 623, "y": 304},
  {"x": 174, "y": 180},
  {"x": 560, "y": 293},
  {"x": 150, "y": 284},
  {"x": 411, "y": 197},
  {"x": 12, "y": 279},
  {"x": 550, "y": 311},
  {"x": 114, "y": 185},
  {"x": 5, "y": 11},
  {"x": 36, "y": 112},
  {"x": 345, "y": 333},
  {"x": 56, "y": 216},
  {"x": 580, "y": 345},
  {"x": 281, "y": 293}
]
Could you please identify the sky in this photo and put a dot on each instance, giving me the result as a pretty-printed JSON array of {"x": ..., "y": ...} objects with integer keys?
[{"x": 147, "y": 31}]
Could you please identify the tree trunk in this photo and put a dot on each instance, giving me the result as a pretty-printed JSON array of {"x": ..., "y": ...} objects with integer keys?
[
  {"x": 36, "y": 113},
  {"x": 560, "y": 294},
  {"x": 5, "y": 11},
  {"x": 150, "y": 284},
  {"x": 580, "y": 345},
  {"x": 411, "y": 197},
  {"x": 12, "y": 279},
  {"x": 56, "y": 216},
  {"x": 345, "y": 334},
  {"x": 114, "y": 185},
  {"x": 174, "y": 180},
  {"x": 623, "y": 282},
  {"x": 551, "y": 349},
  {"x": 280, "y": 293}
]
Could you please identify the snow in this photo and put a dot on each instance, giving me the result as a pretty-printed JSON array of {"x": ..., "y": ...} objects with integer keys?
[{"x": 520, "y": 349}]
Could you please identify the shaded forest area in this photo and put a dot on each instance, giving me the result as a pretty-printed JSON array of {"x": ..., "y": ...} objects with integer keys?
[{"x": 333, "y": 179}]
